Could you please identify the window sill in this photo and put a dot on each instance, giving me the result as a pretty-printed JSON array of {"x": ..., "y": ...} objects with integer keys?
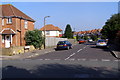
[{"x": 9, "y": 23}]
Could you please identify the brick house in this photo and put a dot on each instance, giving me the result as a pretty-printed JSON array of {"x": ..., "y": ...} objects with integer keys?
[
  {"x": 13, "y": 26},
  {"x": 51, "y": 31}
]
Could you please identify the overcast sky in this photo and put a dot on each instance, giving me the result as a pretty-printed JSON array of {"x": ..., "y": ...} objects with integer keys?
[{"x": 80, "y": 15}]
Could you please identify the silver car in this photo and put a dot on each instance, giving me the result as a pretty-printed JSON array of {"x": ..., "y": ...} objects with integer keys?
[{"x": 101, "y": 43}]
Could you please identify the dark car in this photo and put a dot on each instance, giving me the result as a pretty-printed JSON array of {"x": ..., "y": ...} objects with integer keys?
[
  {"x": 64, "y": 45},
  {"x": 81, "y": 41}
]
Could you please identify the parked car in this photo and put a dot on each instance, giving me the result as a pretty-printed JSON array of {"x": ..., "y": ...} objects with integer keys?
[
  {"x": 64, "y": 45},
  {"x": 90, "y": 40},
  {"x": 81, "y": 41},
  {"x": 101, "y": 43}
]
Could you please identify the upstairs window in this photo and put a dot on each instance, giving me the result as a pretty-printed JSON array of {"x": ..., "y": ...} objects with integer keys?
[
  {"x": 2, "y": 22},
  {"x": 47, "y": 32},
  {"x": 26, "y": 24},
  {"x": 9, "y": 20}
]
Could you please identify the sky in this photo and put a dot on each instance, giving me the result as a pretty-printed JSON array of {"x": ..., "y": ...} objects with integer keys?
[{"x": 80, "y": 15}]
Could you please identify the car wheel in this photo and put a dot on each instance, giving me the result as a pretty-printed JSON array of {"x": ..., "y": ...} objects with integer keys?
[
  {"x": 68, "y": 48},
  {"x": 71, "y": 47}
]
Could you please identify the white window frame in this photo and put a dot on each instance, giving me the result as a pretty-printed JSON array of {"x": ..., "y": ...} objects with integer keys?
[
  {"x": 2, "y": 22},
  {"x": 9, "y": 20},
  {"x": 3, "y": 38},
  {"x": 48, "y": 33},
  {"x": 25, "y": 24}
]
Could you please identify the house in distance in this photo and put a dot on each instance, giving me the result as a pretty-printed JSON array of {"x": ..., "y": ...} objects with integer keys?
[{"x": 51, "y": 31}]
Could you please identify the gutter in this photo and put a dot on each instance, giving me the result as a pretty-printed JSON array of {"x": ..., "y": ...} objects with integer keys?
[{"x": 17, "y": 17}]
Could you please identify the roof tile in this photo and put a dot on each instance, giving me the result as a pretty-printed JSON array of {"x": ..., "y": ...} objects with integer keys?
[
  {"x": 10, "y": 10},
  {"x": 50, "y": 27}
]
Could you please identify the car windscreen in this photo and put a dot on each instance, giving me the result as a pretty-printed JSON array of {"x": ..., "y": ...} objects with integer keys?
[
  {"x": 81, "y": 40},
  {"x": 61, "y": 42},
  {"x": 101, "y": 40}
]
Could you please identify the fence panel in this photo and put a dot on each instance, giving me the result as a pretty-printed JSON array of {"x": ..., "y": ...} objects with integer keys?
[{"x": 52, "y": 41}]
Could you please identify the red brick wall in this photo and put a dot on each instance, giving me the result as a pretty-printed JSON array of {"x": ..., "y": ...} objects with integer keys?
[
  {"x": 0, "y": 31},
  {"x": 16, "y": 23}
]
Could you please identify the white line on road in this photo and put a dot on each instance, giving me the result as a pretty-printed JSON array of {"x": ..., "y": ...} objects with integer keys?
[
  {"x": 82, "y": 59},
  {"x": 49, "y": 51},
  {"x": 84, "y": 47},
  {"x": 79, "y": 50},
  {"x": 46, "y": 52},
  {"x": 40, "y": 59},
  {"x": 105, "y": 60},
  {"x": 47, "y": 59},
  {"x": 93, "y": 59},
  {"x": 36, "y": 54},
  {"x": 56, "y": 59},
  {"x": 70, "y": 56},
  {"x": 116, "y": 60}
]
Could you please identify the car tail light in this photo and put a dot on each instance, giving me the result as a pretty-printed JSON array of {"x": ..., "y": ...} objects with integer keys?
[{"x": 65, "y": 45}]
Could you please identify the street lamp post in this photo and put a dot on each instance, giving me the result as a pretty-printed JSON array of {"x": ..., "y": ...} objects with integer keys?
[{"x": 45, "y": 30}]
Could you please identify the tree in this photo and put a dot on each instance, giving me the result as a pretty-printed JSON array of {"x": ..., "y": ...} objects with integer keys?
[
  {"x": 94, "y": 37},
  {"x": 68, "y": 32},
  {"x": 111, "y": 27},
  {"x": 34, "y": 38}
]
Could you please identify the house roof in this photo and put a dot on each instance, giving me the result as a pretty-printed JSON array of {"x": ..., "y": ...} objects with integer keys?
[
  {"x": 50, "y": 27},
  {"x": 89, "y": 31},
  {"x": 9, "y": 10}
]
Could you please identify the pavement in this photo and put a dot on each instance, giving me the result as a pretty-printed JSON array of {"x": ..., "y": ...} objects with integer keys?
[
  {"x": 28, "y": 54},
  {"x": 115, "y": 50}
]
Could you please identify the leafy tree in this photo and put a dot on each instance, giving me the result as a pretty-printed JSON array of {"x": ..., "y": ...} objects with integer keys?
[
  {"x": 94, "y": 37},
  {"x": 68, "y": 32},
  {"x": 34, "y": 38},
  {"x": 111, "y": 27},
  {"x": 77, "y": 37}
]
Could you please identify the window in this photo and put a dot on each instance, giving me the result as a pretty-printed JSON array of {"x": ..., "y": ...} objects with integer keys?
[
  {"x": 3, "y": 38},
  {"x": 47, "y": 32},
  {"x": 9, "y": 20},
  {"x": 2, "y": 22},
  {"x": 25, "y": 24}
]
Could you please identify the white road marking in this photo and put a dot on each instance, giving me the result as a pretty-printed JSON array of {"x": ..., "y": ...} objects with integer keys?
[
  {"x": 79, "y": 50},
  {"x": 46, "y": 52},
  {"x": 32, "y": 55},
  {"x": 70, "y": 56},
  {"x": 116, "y": 60},
  {"x": 36, "y": 54},
  {"x": 82, "y": 59},
  {"x": 56, "y": 59},
  {"x": 47, "y": 59},
  {"x": 105, "y": 60},
  {"x": 53, "y": 50},
  {"x": 93, "y": 59},
  {"x": 49, "y": 51},
  {"x": 84, "y": 47},
  {"x": 40, "y": 59}
]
